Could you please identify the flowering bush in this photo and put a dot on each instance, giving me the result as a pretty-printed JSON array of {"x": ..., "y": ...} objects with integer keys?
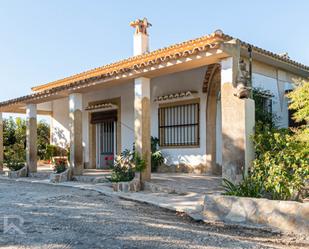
[
  {"x": 126, "y": 165},
  {"x": 60, "y": 164}
]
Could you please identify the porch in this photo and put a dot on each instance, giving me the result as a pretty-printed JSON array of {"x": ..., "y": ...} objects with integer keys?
[
  {"x": 188, "y": 103},
  {"x": 170, "y": 183}
]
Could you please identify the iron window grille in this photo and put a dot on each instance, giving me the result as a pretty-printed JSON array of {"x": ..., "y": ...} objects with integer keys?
[
  {"x": 179, "y": 125},
  {"x": 267, "y": 104},
  {"x": 264, "y": 101}
]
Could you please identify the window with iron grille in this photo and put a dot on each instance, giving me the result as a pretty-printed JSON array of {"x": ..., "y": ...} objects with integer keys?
[
  {"x": 179, "y": 125},
  {"x": 267, "y": 104}
]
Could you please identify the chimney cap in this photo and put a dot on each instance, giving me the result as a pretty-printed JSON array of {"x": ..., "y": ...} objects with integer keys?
[{"x": 141, "y": 25}]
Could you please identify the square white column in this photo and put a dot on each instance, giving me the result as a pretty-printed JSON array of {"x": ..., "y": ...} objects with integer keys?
[
  {"x": 31, "y": 138},
  {"x": 142, "y": 123},
  {"x": 76, "y": 130},
  {"x": 238, "y": 120}
]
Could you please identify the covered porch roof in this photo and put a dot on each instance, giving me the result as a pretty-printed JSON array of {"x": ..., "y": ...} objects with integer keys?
[{"x": 205, "y": 50}]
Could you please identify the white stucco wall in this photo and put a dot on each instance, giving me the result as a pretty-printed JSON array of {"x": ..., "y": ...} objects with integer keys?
[
  {"x": 126, "y": 92},
  {"x": 276, "y": 82},
  {"x": 265, "y": 77},
  {"x": 60, "y": 133},
  {"x": 179, "y": 82}
]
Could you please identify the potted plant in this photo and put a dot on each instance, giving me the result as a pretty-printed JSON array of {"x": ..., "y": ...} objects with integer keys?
[
  {"x": 60, "y": 164},
  {"x": 126, "y": 165}
]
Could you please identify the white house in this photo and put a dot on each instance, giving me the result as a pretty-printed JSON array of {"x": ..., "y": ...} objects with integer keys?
[{"x": 194, "y": 96}]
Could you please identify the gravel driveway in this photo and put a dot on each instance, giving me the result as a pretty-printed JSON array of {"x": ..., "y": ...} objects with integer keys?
[{"x": 63, "y": 217}]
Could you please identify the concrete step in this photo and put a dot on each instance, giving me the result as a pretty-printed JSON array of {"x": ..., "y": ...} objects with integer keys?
[{"x": 91, "y": 179}]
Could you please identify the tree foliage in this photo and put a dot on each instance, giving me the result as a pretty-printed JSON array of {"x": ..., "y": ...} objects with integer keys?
[
  {"x": 281, "y": 164},
  {"x": 43, "y": 140},
  {"x": 300, "y": 102},
  {"x": 14, "y": 139}
]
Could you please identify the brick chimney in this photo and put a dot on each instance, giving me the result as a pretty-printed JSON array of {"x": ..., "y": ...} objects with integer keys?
[{"x": 141, "y": 38}]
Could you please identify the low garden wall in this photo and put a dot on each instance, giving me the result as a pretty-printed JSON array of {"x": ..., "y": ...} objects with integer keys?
[
  {"x": 61, "y": 177},
  {"x": 286, "y": 216},
  {"x": 131, "y": 186},
  {"x": 18, "y": 173}
]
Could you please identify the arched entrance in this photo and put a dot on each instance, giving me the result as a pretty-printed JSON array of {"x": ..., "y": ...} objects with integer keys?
[{"x": 211, "y": 87}]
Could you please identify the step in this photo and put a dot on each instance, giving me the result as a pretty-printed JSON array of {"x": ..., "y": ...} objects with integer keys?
[{"x": 91, "y": 179}]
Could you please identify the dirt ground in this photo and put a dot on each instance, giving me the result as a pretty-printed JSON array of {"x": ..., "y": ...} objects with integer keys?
[{"x": 45, "y": 216}]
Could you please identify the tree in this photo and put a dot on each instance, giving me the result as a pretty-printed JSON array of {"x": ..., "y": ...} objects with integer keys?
[
  {"x": 300, "y": 102},
  {"x": 20, "y": 132},
  {"x": 14, "y": 136},
  {"x": 9, "y": 128},
  {"x": 43, "y": 139}
]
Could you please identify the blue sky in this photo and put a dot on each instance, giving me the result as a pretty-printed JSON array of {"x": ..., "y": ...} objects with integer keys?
[{"x": 42, "y": 41}]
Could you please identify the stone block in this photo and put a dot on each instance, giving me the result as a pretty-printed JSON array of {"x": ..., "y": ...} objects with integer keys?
[
  {"x": 131, "y": 186},
  {"x": 18, "y": 173},
  {"x": 61, "y": 177},
  {"x": 287, "y": 216}
]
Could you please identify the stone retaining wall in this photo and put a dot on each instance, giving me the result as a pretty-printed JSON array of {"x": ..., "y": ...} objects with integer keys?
[
  {"x": 61, "y": 177},
  {"x": 286, "y": 216},
  {"x": 18, "y": 173},
  {"x": 131, "y": 186}
]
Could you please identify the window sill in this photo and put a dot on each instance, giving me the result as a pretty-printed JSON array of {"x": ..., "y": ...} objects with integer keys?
[{"x": 180, "y": 147}]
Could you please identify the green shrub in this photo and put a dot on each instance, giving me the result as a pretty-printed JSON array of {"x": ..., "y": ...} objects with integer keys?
[
  {"x": 43, "y": 140},
  {"x": 14, "y": 157},
  {"x": 156, "y": 155},
  {"x": 55, "y": 151},
  {"x": 281, "y": 164},
  {"x": 60, "y": 164},
  {"x": 49, "y": 153},
  {"x": 126, "y": 165},
  {"x": 14, "y": 165},
  {"x": 15, "y": 152},
  {"x": 280, "y": 169},
  {"x": 247, "y": 188}
]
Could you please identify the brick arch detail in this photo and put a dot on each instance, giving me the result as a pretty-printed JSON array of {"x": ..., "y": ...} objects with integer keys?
[{"x": 212, "y": 86}]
